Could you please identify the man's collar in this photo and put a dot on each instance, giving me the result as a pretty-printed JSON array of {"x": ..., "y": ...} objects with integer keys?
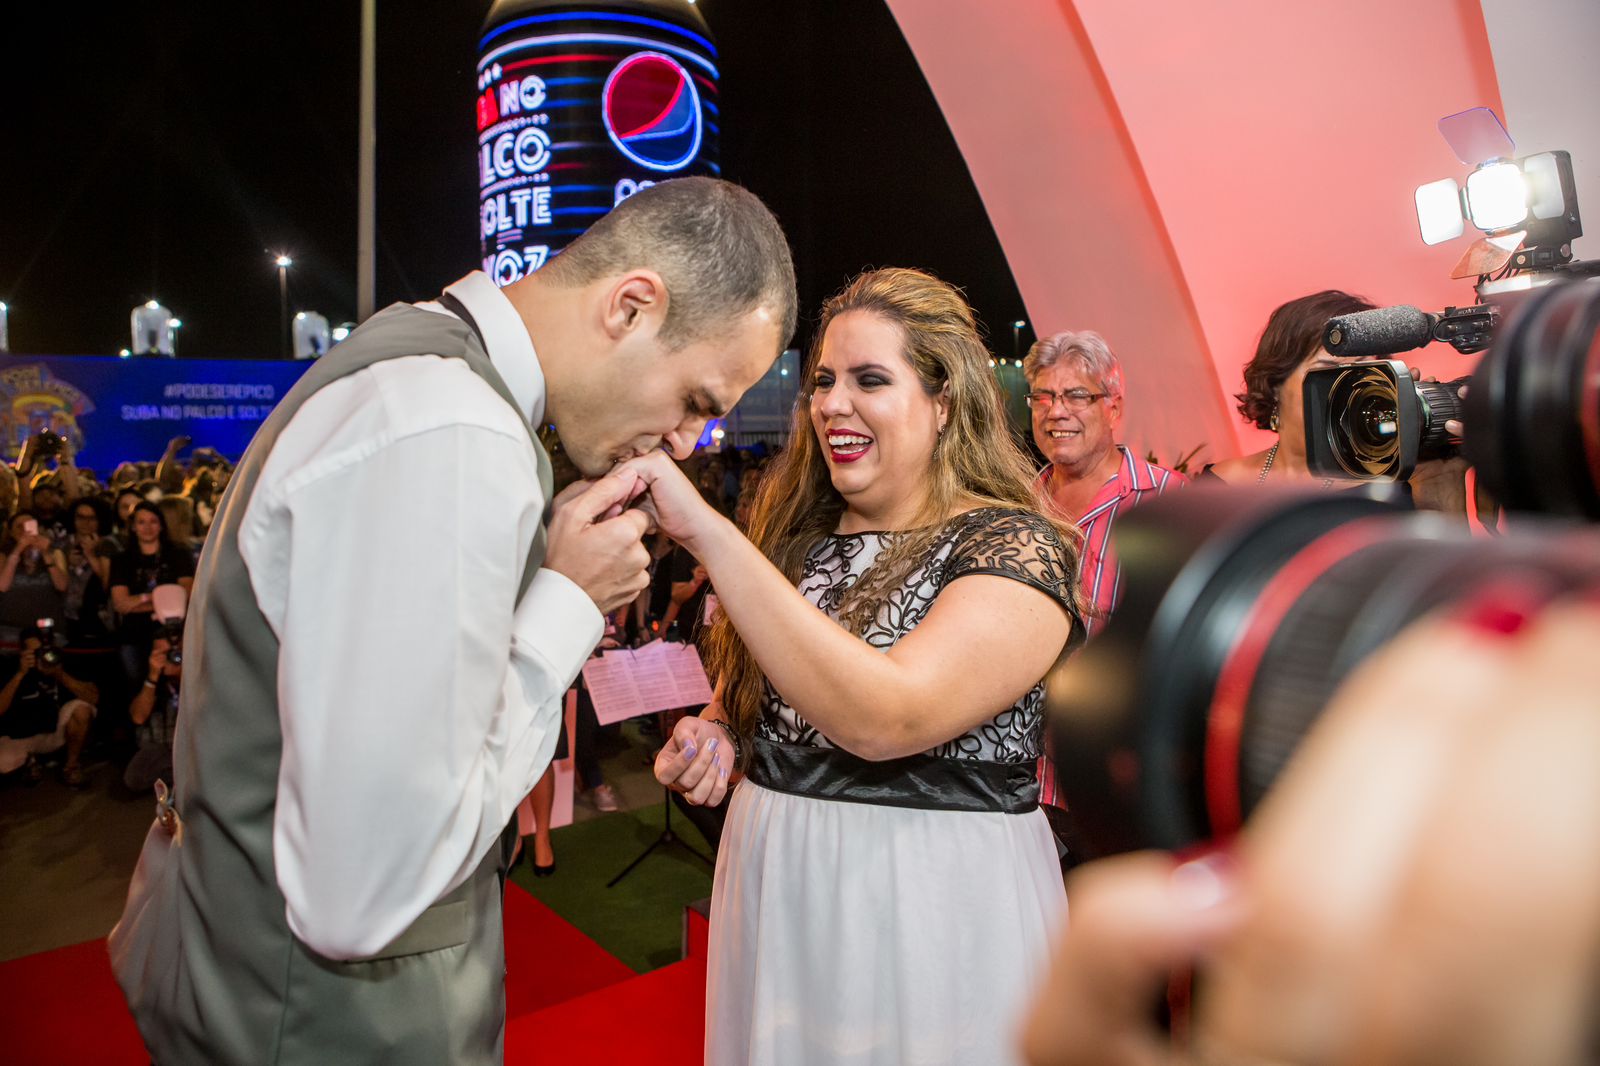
[{"x": 510, "y": 348}]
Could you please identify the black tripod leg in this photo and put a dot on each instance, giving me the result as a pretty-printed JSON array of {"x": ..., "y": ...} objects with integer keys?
[{"x": 666, "y": 836}]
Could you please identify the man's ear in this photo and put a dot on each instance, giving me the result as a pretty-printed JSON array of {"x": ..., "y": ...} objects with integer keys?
[{"x": 635, "y": 300}]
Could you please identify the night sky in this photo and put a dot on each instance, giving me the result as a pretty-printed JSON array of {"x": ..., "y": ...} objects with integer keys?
[{"x": 164, "y": 149}]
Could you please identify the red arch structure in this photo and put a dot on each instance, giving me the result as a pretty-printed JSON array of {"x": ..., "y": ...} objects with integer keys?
[{"x": 1169, "y": 173}]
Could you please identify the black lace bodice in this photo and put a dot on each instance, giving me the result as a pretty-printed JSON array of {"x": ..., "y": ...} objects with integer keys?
[{"x": 1011, "y": 543}]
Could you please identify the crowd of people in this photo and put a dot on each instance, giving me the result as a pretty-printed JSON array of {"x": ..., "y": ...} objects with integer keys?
[{"x": 81, "y": 637}]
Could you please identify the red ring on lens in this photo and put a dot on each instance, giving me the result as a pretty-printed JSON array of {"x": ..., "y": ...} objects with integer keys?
[
  {"x": 1231, "y": 697},
  {"x": 1589, "y": 409}
]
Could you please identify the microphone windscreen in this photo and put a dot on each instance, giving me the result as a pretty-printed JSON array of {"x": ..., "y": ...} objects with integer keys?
[{"x": 1381, "y": 331}]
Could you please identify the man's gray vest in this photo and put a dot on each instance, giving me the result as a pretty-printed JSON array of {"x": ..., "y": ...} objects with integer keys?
[{"x": 204, "y": 953}]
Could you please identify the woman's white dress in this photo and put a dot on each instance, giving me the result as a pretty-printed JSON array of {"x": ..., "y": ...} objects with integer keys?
[{"x": 871, "y": 928}]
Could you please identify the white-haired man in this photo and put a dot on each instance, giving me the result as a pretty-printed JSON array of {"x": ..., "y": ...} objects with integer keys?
[{"x": 1075, "y": 398}]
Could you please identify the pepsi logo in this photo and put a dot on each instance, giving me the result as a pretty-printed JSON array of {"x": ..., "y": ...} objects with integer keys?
[{"x": 651, "y": 111}]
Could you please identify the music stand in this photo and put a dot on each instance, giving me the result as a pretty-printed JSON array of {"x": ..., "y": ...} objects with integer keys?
[{"x": 666, "y": 838}]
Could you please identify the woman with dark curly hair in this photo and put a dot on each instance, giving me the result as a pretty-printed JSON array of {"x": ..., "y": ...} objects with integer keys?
[{"x": 1290, "y": 345}]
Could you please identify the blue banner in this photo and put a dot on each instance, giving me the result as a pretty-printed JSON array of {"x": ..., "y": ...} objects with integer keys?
[{"x": 114, "y": 410}]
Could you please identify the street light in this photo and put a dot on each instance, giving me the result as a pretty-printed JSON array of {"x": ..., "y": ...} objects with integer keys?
[
  {"x": 1016, "y": 337},
  {"x": 284, "y": 263}
]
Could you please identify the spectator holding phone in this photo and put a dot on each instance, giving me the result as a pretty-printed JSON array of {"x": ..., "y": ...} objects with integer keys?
[{"x": 33, "y": 578}]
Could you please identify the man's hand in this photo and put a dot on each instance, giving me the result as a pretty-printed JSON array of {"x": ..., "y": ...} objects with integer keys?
[
  {"x": 674, "y": 502},
  {"x": 602, "y": 555},
  {"x": 28, "y": 661}
]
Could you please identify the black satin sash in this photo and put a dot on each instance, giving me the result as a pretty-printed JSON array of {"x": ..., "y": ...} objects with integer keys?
[{"x": 920, "y": 781}]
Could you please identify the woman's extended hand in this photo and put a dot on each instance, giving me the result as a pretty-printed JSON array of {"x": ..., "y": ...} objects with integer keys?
[{"x": 696, "y": 761}]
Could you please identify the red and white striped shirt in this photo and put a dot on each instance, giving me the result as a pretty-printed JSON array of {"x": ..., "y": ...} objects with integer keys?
[{"x": 1101, "y": 578}]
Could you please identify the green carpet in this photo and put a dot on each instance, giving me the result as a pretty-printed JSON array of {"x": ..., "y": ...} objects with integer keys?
[{"x": 640, "y": 921}]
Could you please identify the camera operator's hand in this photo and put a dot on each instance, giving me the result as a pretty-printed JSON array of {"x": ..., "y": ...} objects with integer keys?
[
  {"x": 1441, "y": 485},
  {"x": 604, "y": 556},
  {"x": 673, "y": 500},
  {"x": 696, "y": 761},
  {"x": 1421, "y": 886},
  {"x": 158, "y": 662},
  {"x": 28, "y": 661}
]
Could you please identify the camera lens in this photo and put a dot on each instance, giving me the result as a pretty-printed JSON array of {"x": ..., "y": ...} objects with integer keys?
[
  {"x": 1242, "y": 613},
  {"x": 1364, "y": 433},
  {"x": 1533, "y": 411}
]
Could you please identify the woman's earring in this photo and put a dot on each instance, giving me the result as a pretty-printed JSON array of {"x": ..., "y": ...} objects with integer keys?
[{"x": 1273, "y": 422}]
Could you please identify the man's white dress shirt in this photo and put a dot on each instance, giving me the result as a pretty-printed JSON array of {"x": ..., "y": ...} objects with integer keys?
[{"x": 419, "y": 701}]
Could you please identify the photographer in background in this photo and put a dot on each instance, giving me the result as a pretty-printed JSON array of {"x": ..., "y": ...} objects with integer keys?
[
  {"x": 43, "y": 709},
  {"x": 1290, "y": 345},
  {"x": 154, "y": 712},
  {"x": 149, "y": 560},
  {"x": 88, "y": 560},
  {"x": 45, "y": 492}
]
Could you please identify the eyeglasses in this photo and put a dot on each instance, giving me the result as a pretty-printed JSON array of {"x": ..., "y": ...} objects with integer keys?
[{"x": 1075, "y": 399}]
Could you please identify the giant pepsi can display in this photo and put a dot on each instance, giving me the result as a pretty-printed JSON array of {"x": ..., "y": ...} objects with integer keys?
[{"x": 579, "y": 107}]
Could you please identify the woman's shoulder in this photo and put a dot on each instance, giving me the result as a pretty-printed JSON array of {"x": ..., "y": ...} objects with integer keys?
[
  {"x": 1239, "y": 469},
  {"x": 1011, "y": 541},
  {"x": 998, "y": 525}
]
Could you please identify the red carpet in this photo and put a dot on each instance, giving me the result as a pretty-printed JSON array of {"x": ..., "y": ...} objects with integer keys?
[{"x": 563, "y": 993}]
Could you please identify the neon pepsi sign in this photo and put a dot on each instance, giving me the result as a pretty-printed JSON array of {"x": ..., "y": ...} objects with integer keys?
[{"x": 578, "y": 110}]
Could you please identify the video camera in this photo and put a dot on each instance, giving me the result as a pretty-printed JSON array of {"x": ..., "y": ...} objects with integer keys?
[
  {"x": 1524, "y": 403},
  {"x": 1373, "y": 420},
  {"x": 1243, "y": 610}
]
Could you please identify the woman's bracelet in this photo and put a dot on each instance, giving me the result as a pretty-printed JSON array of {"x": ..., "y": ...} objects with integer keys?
[{"x": 733, "y": 738}]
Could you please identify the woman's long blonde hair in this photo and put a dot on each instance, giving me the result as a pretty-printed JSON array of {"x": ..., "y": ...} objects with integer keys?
[{"x": 976, "y": 463}]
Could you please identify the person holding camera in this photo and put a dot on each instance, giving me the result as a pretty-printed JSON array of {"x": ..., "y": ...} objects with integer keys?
[
  {"x": 88, "y": 559},
  {"x": 45, "y": 492},
  {"x": 1420, "y": 886},
  {"x": 150, "y": 559},
  {"x": 154, "y": 711},
  {"x": 43, "y": 709},
  {"x": 1290, "y": 346}
]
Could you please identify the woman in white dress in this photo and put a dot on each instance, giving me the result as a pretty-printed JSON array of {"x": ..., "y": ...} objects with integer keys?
[{"x": 886, "y": 888}]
